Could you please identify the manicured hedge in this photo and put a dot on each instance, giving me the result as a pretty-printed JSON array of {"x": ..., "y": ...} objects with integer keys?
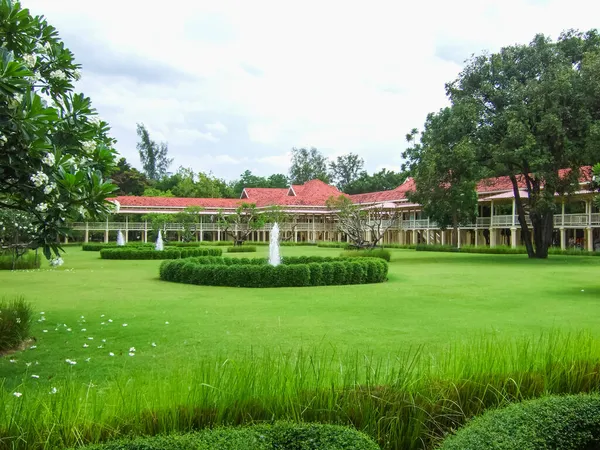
[
  {"x": 374, "y": 253},
  {"x": 242, "y": 249},
  {"x": 500, "y": 250},
  {"x": 557, "y": 423},
  {"x": 257, "y": 273},
  {"x": 279, "y": 436},
  {"x": 15, "y": 322},
  {"x": 332, "y": 244},
  {"x": 97, "y": 246},
  {"x": 167, "y": 253}
]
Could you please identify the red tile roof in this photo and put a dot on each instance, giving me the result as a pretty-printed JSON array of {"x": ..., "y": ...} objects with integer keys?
[{"x": 383, "y": 196}]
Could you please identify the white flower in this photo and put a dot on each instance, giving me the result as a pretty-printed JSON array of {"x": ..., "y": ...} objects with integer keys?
[
  {"x": 42, "y": 313},
  {"x": 48, "y": 159},
  {"x": 54, "y": 390},
  {"x": 131, "y": 354},
  {"x": 42, "y": 207},
  {"x": 88, "y": 146},
  {"x": 35, "y": 376},
  {"x": 82, "y": 317},
  {"x": 28, "y": 364},
  {"x": 85, "y": 346},
  {"x": 39, "y": 179},
  {"x": 33, "y": 346},
  {"x": 102, "y": 323},
  {"x": 83, "y": 329},
  {"x": 101, "y": 346},
  {"x": 95, "y": 120},
  {"x": 90, "y": 339},
  {"x": 110, "y": 320},
  {"x": 49, "y": 188},
  {"x": 58, "y": 75},
  {"x": 44, "y": 331},
  {"x": 154, "y": 344},
  {"x": 56, "y": 262},
  {"x": 71, "y": 362},
  {"x": 124, "y": 324},
  {"x": 111, "y": 354},
  {"x": 132, "y": 349},
  {"x": 12, "y": 361},
  {"x": 17, "y": 394},
  {"x": 3, "y": 139},
  {"x": 61, "y": 206},
  {"x": 77, "y": 74},
  {"x": 166, "y": 323},
  {"x": 18, "y": 320},
  {"x": 68, "y": 329},
  {"x": 30, "y": 60},
  {"x": 103, "y": 340},
  {"x": 18, "y": 98},
  {"x": 102, "y": 315},
  {"x": 40, "y": 48},
  {"x": 87, "y": 359}
]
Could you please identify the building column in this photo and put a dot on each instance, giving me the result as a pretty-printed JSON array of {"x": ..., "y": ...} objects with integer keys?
[
  {"x": 295, "y": 236},
  {"x": 563, "y": 236},
  {"x": 590, "y": 238},
  {"x": 66, "y": 239},
  {"x": 476, "y": 237},
  {"x": 459, "y": 232},
  {"x": 86, "y": 235},
  {"x": 443, "y": 233},
  {"x": 126, "y": 230},
  {"x": 145, "y": 237},
  {"x": 218, "y": 235},
  {"x": 513, "y": 237},
  {"x": 492, "y": 237},
  {"x": 106, "y": 232}
]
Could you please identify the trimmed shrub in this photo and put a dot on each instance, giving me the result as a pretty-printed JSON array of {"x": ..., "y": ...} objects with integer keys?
[
  {"x": 29, "y": 260},
  {"x": 15, "y": 323},
  {"x": 97, "y": 246},
  {"x": 374, "y": 253},
  {"x": 501, "y": 250},
  {"x": 167, "y": 253},
  {"x": 560, "y": 423},
  {"x": 332, "y": 244},
  {"x": 280, "y": 435},
  {"x": 242, "y": 249},
  {"x": 257, "y": 273}
]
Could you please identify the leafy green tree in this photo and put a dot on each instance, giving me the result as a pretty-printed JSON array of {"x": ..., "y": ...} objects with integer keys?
[
  {"x": 153, "y": 192},
  {"x": 444, "y": 168},
  {"x": 189, "y": 218},
  {"x": 308, "y": 165},
  {"x": 129, "y": 180},
  {"x": 276, "y": 214},
  {"x": 244, "y": 220},
  {"x": 384, "y": 180},
  {"x": 154, "y": 156},
  {"x": 55, "y": 151},
  {"x": 278, "y": 180},
  {"x": 158, "y": 222},
  {"x": 249, "y": 180},
  {"x": 537, "y": 113},
  {"x": 346, "y": 169}
]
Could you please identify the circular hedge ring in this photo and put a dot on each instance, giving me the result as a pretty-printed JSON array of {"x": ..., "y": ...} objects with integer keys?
[
  {"x": 555, "y": 422},
  {"x": 149, "y": 253},
  {"x": 258, "y": 273}
]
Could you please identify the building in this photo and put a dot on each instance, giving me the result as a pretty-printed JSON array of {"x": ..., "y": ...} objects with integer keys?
[{"x": 577, "y": 224}]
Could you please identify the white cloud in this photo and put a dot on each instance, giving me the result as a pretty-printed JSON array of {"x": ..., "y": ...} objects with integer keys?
[{"x": 336, "y": 75}]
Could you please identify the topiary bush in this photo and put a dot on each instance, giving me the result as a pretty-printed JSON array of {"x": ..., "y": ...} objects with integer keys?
[
  {"x": 556, "y": 422},
  {"x": 372, "y": 253},
  {"x": 15, "y": 323},
  {"x": 257, "y": 273},
  {"x": 242, "y": 249},
  {"x": 167, "y": 253},
  {"x": 280, "y": 436}
]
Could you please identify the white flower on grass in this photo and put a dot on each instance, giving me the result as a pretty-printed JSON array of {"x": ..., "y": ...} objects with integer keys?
[
  {"x": 131, "y": 354},
  {"x": 33, "y": 346},
  {"x": 166, "y": 323},
  {"x": 87, "y": 359},
  {"x": 102, "y": 315},
  {"x": 111, "y": 354},
  {"x": 35, "y": 376},
  {"x": 28, "y": 364},
  {"x": 154, "y": 344},
  {"x": 68, "y": 329},
  {"x": 49, "y": 188},
  {"x": 54, "y": 390},
  {"x": 58, "y": 75},
  {"x": 85, "y": 346},
  {"x": 124, "y": 324},
  {"x": 83, "y": 329},
  {"x": 101, "y": 346},
  {"x": 102, "y": 323},
  {"x": 49, "y": 159},
  {"x": 44, "y": 331},
  {"x": 103, "y": 340},
  {"x": 56, "y": 262},
  {"x": 42, "y": 207},
  {"x": 132, "y": 349},
  {"x": 90, "y": 339},
  {"x": 39, "y": 179},
  {"x": 17, "y": 394},
  {"x": 71, "y": 362},
  {"x": 30, "y": 60},
  {"x": 12, "y": 361},
  {"x": 110, "y": 320},
  {"x": 88, "y": 146},
  {"x": 42, "y": 313}
]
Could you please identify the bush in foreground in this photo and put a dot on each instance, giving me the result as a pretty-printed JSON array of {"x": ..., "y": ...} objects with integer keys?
[
  {"x": 373, "y": 253},
  {"x": 242, "y": 249},
  {"x": 281, "y": 435},
  {"x": 558, "y": 423},
  {"x": 167, "y": 253},
  {"x": 257, "y": 273},
  {"x": 30, "y": 260},
  {"x": 15, "y": 323}
]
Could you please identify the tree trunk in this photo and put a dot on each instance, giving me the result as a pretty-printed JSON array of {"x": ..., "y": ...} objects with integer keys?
[
  {"x": 454, "y": 231},
  {"x": 526, "y": 234},
  {"x": 543, "y": 225}
]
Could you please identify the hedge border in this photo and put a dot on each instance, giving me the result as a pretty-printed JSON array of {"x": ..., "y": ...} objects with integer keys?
[
  {"x": 242, "y": 249},
  {"x": 499, "y": 250},
  {"x": 280, "y": 435},
  {"x": 257, "y": 273},
  {"x": 125, "y": 253},
  {"x": 553, "y": 422}
]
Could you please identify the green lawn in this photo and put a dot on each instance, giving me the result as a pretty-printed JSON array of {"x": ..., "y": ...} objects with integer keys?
[
  {"x": 431, "y": 298},
  {"x": 256, "y": 354}
]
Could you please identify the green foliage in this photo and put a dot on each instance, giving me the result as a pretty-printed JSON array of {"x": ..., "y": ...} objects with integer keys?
[
  {"x": 500, "y": 250},
  {"x": 332, "y": 244},
  {"x": 129, "y": 180},
  {"x": 257, "y": 273},
  {"x": 243, "y": 221},
  {"x": 15, "y": 323},
  {"x": 308, "y": 165},
  {"x": 154, "y": 156},
  {"x": 280, "y": 435},
  {"x": 55, "y": 152},
  {"x": 249, "y": 180},
  {"x": 97, "y": 246},
  {"x": 9, "y": 260},
  {"x": 384, "y": 180},
  {"x": 371, "y": 253},
  {"x": 555, "y": 422},
  {"x": 345, "y": 170},
  {"x": 242, "y": 249},
  {"x": 167, "y": 253}
]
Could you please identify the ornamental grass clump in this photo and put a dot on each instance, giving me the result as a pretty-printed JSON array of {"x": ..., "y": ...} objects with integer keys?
[
  {"x": 15, "y": 323},
  {"x": 10, "y": 261}
]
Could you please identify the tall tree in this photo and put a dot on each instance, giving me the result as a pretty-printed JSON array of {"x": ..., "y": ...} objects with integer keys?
[
  {"x": 154, "y": 156},
  {"x": 308, "y": 165},
  {"x": 129, "y": 180},
  {"x": 244, "y": 220},
  {"x": 444, "y": 168},
  {"x": 384, "y": 180},
  {"x": 346, "y": 169},
  {"x": 537, "y": 113},
  {"x": 55, "y": 152}
]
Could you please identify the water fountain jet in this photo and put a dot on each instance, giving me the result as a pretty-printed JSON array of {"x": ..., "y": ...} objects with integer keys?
[{"x": 274, "y": 257}]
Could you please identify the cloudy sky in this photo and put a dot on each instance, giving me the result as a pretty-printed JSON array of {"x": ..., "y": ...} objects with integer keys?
[{"x": 234, "y": 85}]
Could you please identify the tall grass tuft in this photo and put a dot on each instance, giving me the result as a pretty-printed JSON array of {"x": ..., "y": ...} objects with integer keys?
[
  {"x": 30, "y": 260},
  {"x": 409, "y": 400},
  {"x": 15, "y": 323}
]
